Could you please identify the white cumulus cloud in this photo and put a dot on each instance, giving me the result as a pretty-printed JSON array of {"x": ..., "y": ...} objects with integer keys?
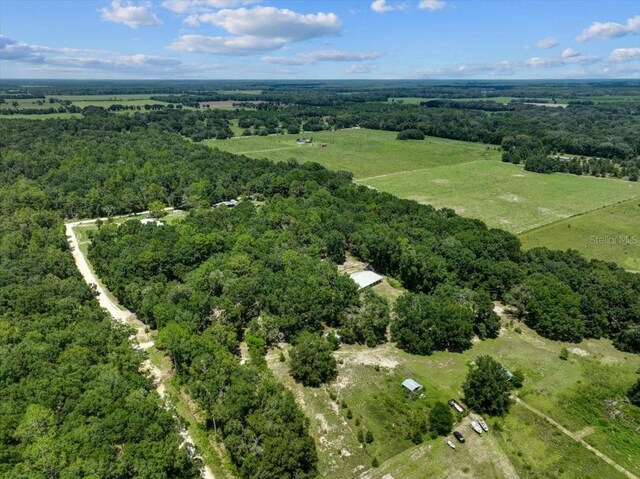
[
  {"x": 313, "y": 57},
  {"x": 271, "y": 22},
  {"x": 567, "y": 57},
  {"x": 432, "y": 4},
  {"x": 130, "y": 14},
  {"x": 381, "y": 6},
  {"x": 218, "y": 45},
  {"x": 620, "y": 55},
  {"x": 192, "y": 6},
  {"x": 548, "y": 42},
  {"x": 75, "y": 60},
  {"x": 569, "y": 53},
  {"x": 610, "y": 29},
  {"x": 359, "y": 68}
]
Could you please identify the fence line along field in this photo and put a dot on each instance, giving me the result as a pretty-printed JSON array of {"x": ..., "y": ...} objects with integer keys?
[
  {"x": 363, "y": 152},
  {"x": 505, "y": 195},
  {"x": 609, "y": 234}
]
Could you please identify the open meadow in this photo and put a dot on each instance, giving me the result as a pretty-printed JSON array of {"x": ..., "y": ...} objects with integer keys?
[
  {"x": 584, "y": 394},
  {"x": 363, "y": 152},
  {"x": 610, "y": 234},
  {"x": 457, "y": 175},
  {"x": 505, "y": 195}
]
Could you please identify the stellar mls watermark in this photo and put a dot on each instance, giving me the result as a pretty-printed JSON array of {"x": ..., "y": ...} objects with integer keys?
[{"x": 625, "y": 240}]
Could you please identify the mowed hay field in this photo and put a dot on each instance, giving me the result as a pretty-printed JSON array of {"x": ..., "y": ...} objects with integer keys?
[
  {"x": 505, "y": 195},
  {"x": 585, "y": 394},
  {"x": 363, "y": 152},
  {"x": 610, "y": 234}
]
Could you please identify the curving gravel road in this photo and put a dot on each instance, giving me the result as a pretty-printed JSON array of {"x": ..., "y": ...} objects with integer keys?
[{"x": 125, "y": 316}]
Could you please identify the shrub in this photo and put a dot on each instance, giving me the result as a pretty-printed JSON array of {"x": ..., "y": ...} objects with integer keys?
[
  {"x": 441, "y": 419},
  {"x": 410, "y": 134}
]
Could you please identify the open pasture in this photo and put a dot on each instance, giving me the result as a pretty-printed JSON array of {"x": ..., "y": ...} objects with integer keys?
[
  {"x": 364, "y": 152},
  {"x": 610, "y": 234},
  {"x": 108, "y": 103},
  {"x": 28, "y": 104},
  {"x": 505, "y": 195},
  {"x": 39, "y": 116}
]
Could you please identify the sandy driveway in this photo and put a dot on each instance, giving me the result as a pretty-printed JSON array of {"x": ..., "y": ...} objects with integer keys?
[{"x": 123, "y": 315}]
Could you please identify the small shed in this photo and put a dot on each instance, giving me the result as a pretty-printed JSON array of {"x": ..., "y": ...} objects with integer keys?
[
  {"x": 365, "y": 279},
  {"x": 412, "y": 386}
]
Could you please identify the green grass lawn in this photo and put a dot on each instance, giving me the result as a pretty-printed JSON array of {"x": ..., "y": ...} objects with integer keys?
[
  {"x": 578, "y": 393},
  {"x": 505, "y": 195},
  {"x": 610, "y": 234},
  {"x": 364, "y": 152}
]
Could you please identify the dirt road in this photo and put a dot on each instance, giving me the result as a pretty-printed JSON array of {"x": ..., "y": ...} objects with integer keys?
[
  {"x": 125, "y": 316},
  {"x": 577, "y": 438}
]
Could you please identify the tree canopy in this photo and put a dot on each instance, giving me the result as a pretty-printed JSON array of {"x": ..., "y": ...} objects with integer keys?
[
  {"x": 487, "y": 387},
  {"x": 311, "y": 360}
]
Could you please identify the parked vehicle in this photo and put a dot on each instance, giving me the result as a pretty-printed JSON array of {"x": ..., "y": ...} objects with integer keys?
[
  {"x": 456, "y": 405},
  {"x": 483, "y": 425},
  {"x": 458, "y": 436},
  {"x": 476, "y": 427},
  {"x": 451, "y": 444}
]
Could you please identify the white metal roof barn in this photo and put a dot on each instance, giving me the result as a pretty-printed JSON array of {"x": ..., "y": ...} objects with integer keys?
[{"x": 364, "y": 279}]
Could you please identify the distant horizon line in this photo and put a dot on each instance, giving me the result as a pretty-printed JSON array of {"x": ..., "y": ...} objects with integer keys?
[{"x": 507, "y": 80}]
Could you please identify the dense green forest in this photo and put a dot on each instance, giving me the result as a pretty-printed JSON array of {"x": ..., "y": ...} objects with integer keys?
[
  {"x": 72, "y": 400},
  {"x": 261, "y": 272},
  {"x": 572, "y": 89}
]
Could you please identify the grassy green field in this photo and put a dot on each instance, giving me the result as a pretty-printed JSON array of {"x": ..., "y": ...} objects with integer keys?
[
  {"x": 364, "y": 152},
  {"x": 108, "y": 103},
  {"x": 596, "y": 234},
  {"x": 584, "y": 394},
  {"x": 43, "y": 116},
  {"x": 119, "y": 97},
  {"x": 504, "y": 195},
  {"x": 28, "y": 103}
]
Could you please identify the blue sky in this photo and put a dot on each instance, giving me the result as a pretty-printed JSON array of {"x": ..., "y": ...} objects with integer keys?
[{"x": 271, "y": 39}]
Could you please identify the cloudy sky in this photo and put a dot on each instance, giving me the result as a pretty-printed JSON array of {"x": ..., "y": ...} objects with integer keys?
[{"x": 267, "y": 39}]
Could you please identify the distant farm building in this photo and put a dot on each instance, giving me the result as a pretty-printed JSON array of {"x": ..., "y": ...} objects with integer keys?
[
  {"x": 228, "y": 203},
  {"x": 146, "y": 221},
  {"x": 412, "y": 387},
  {"x": 365, "y": 279}
]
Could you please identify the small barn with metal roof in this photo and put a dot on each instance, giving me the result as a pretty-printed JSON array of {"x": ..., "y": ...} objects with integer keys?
[{"x": 365, "y": 279}]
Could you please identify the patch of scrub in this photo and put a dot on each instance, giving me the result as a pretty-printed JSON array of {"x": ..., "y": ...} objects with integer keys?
[
  {"x": 511, "y": 198},
  {"x": 579, "y": 352}
]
